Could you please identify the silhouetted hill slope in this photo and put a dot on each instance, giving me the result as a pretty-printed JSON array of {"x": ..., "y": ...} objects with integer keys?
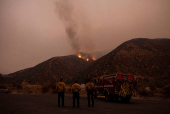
[
  {"x": 1, "y": 80},
  {"x": 140, "y": 56},
  {"x": 67, "y": 67}
]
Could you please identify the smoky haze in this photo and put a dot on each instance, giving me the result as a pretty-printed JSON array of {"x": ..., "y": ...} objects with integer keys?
[
  {"x": 32, "y": 31},
  {"x": 67, "y": 14}
]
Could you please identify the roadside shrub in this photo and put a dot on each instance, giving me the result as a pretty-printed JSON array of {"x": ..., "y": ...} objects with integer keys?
[
  {"x": 33, "y": 89},
  {"x": 17, "y": 85},
  {"x": 3, "y": 86},
  {"x": 166, "y": 90},
  {"x": 152, "y": 87},
  {"x": 159, "y": 84},
  {"x": 142, "y": 91},
  {"x": 68, "y": 89},
  {"x": 83, "y": 92},
  {"x": 48, "y": 87},
  {"x": 26, "y": 89},
  {"x": 24, "y": 84},
  {"x": 146, "y": 93}
]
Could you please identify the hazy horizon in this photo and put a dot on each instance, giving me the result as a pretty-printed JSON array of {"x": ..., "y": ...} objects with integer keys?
[{"x": 36, "y": 30}]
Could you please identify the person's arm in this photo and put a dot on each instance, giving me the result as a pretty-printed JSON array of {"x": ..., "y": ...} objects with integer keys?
[
  {"x": 93, "y": 86},
  {"x": 64, "y": 86},
  {"x": 86, "y": 87},
  {"x": 72, "y": 88},
  {"x": 57, "y": 88},
  {"x": 79, "y": 87}
]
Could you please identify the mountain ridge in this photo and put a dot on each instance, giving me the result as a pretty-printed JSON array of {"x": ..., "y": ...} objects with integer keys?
[
  {"x": 140, "y": 56},
  {"x": 51, "y": 70}
]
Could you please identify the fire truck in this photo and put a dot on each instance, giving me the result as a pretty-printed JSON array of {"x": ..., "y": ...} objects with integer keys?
[{"x": 116, "y": 86}]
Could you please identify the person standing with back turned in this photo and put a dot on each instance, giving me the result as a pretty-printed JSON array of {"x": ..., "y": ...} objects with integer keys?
[
  {"x": 61, "y": 89},
  {"x": 90, "y": 89},
  {"x": 76, "y": 95}
]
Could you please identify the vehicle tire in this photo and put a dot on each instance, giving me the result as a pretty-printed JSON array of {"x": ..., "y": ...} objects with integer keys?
[
  {"x": 122, "y": 99},
  {"x": 126, "y": 99},
  {"x": 116, "y": 98}
]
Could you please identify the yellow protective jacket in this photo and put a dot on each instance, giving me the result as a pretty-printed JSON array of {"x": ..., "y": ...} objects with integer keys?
[
  {"x": 61, "y": 87},
  {"x": 76, "y": 87},
  {"x": 89, "y": 86}
]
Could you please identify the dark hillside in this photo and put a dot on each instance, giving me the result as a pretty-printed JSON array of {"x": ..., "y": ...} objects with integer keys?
[
  {"x": 67, "y": 67},
  {"x": 140, "y": 56}
]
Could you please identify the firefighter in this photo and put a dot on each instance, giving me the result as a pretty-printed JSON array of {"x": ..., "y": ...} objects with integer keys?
[
  {"x": 76, "y": 93},
  {"x": 61, "y": 89},
  {"x": 90, "y": 89}
]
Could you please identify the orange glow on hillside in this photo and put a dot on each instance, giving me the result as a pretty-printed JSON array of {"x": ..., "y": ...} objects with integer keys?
[
  {"x": 79, "y": 56},
  {"x": 94, "y": 58},
  {"x": 86, "y": 57}
]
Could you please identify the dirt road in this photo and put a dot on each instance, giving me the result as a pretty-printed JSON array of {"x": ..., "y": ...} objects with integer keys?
[{"x": 47, "y": 104}]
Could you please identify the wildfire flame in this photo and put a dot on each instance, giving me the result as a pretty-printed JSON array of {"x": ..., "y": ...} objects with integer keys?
[
  {"x": 79, "y": 56},
  {"x": 94, "y": 58},
  {"x": 85, "y": 57}
]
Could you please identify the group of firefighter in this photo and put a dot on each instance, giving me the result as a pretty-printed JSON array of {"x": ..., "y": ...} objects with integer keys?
[{"x": 76, "y": 92}]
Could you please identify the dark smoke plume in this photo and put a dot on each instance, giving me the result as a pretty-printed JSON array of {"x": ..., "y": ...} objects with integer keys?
[{"x": 65, "y": 11}]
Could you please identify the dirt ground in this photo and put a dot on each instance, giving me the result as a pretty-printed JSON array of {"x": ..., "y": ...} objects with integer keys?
[{"x": 47, "y": 104}]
